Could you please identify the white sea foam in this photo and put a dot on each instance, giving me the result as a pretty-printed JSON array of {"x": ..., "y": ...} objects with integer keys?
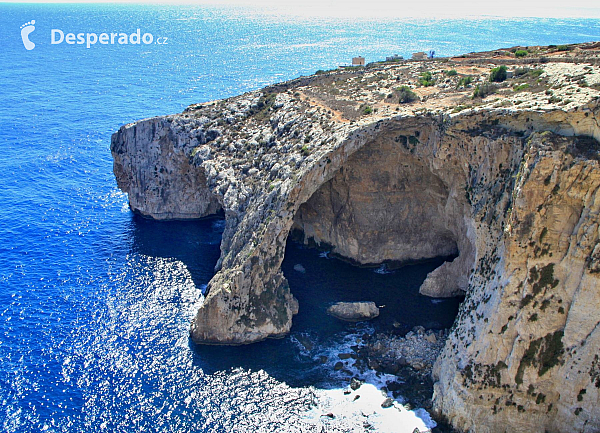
[
  {"x": 340, "y": 408},
  {"x": 383, "y": 269},
  {"x": 355, "y": 410}
]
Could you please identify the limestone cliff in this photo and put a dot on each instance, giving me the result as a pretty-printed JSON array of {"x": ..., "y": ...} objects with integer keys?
[{"x": 506, "y": 183}]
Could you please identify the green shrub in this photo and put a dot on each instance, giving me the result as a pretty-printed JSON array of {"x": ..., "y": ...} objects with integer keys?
[
  {"x": 305, "y": 151},
  {"x": 464, "y": 81},
  {"x": 367, "y": 109},
  {"x": 483, "y": 90},
  {"x": 497, "y": 75},
  {"x": 426, "y": 79},
  {"x": 451, "y": 73},
  {"x": 406, "y": 95},
  {"x": 521, "y": 53},
  {"x": 563, "y": 48}
]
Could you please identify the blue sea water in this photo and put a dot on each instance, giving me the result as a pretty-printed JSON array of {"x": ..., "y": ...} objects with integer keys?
[{"x": 95, "y": 303}]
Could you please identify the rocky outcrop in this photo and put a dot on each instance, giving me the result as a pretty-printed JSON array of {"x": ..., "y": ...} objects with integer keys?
[
  {"x": 354, "y": 311},
  {"x": 153, "y": 166},
  {"x": 507, "y": 184}
]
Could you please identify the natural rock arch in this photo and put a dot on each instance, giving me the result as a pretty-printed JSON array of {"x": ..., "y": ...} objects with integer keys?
[{"x": 521, "y": 206}]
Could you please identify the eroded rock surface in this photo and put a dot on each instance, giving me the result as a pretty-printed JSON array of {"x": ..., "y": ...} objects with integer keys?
[
  {"x": 508, "y": 182},
  {"x": 354, "y": 311}
]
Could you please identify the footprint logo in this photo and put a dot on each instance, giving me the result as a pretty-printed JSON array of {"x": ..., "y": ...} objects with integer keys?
[{"x": 26, "y": 30}]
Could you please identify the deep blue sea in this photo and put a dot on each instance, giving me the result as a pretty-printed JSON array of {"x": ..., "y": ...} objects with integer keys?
[{"x": 95, "y": 303}]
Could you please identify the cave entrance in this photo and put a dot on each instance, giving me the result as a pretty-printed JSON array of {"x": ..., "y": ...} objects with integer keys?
[
  {"x": 317, "y": 280},
  {"x": 393, "y": 221}
]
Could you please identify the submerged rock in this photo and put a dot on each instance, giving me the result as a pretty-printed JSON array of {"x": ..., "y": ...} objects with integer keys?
[
  {"x": 299, "y": 268},
  {"x": 354, "y": 311}
]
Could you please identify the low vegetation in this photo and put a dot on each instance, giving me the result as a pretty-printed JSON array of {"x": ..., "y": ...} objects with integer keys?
[
  {"x": 483, "y": 90},
  {"x": 497, "y": 75},
  {"x": 521, "y": 87},
  {"x": 426, "y": 79},
  {"x": 464, "y": 81},
  {"x": 406, "y": 95}
]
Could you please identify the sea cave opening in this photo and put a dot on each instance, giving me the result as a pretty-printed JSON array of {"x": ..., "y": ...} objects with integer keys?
[{"x": 374, "y": 232}]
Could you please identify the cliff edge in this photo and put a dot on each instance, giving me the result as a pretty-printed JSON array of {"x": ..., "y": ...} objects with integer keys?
[{"x": 401, "y": 162}]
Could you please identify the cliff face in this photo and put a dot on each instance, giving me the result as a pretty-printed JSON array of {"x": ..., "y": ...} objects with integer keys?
[
  {"x": 507, "y": 183},
  {"x": 524, "y": 351},
  {"x": 153, "y": 166}
]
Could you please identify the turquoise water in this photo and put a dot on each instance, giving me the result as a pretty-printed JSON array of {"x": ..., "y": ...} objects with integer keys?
[{"x": 95, "y": 303}]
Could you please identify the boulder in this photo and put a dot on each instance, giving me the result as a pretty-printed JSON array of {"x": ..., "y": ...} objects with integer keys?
[
  {"x": 355, "y": 383},
  {"x": 354, "y": 311},
  {"x": 388, "y": 402}
]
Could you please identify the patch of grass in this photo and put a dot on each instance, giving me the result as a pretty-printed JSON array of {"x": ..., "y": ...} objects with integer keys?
[
  {"x": 535, "y": 73},
  {"x": 543, "y": 353},
  {"x": 554, "y": 99},
  {"x": 519, "y": 72},
  {"x": 521, "y": 53},
  {"x": 451, "y": 73},
  {"x": 543, "y": 278},
  {"x": 460, "y": 108},
  {"x": 263, "y": 106},
  {"x": 543, "y": 234},
  {"x": 526, "y": 300},
  {"x": 521, "y": 87}
]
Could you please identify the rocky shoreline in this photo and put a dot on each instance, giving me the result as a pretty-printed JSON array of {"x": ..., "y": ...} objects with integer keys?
[
  {"x": 410, "y": 358},
  {"x": 403, "y": 365}
]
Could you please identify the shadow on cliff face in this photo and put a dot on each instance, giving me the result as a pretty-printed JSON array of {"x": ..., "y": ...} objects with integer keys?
[{"x": 195, "y": 243}]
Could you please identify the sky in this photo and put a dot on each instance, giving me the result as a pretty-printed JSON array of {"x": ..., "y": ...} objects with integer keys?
[{"x": 396, "y": 8}]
